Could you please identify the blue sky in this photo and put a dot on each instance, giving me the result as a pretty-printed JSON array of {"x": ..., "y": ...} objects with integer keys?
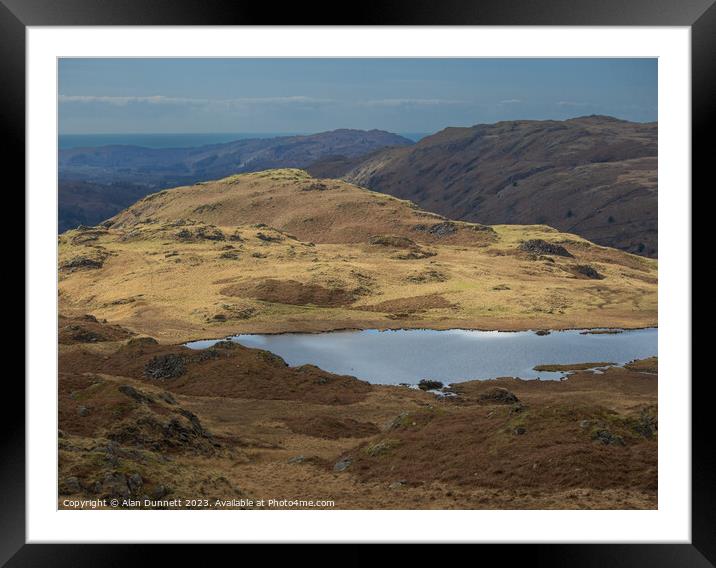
[{"x": 313, "y": 95}]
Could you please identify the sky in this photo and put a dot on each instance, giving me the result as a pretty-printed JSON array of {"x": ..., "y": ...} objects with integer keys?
[{"x": 264, "y": 95}]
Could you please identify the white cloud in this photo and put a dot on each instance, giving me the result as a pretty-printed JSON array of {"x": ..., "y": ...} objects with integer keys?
[
  {"x": 510, "y": 101},
  {"x": 573, "y": 103},
  {"x": 409, "y": 102},
  {"x": 164, "y": 100},
  {"x": 118, "y": 101}
]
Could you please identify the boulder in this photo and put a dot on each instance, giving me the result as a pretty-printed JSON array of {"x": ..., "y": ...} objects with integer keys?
[
  {"x": 135, "y": 483},
  {"x": 159, "y": 491},
  {"x": 342, "y": 465},
  {"x": 114, "y": 484}
]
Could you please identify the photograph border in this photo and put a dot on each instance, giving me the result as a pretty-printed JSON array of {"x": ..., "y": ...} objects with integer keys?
[{"x": 16, "y": 15}]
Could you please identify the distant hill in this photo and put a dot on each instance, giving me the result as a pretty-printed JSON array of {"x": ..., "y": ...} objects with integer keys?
[
  {"x": 96, "y": 183},
  {"x": 595, "y": 176},
  {"x": 88, "y": 203}
]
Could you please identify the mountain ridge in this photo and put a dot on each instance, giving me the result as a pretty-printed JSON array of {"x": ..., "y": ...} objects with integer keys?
[{"x": 602, "y": 171}]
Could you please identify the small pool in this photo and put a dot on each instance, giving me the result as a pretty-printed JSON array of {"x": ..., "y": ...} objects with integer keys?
[{"x": 450, "y": 356}]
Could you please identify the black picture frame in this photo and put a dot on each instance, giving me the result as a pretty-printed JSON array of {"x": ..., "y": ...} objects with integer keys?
[{"x": 699, "y": 15}]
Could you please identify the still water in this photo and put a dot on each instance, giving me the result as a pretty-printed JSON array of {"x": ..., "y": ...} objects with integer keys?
[{"x": 450, "y": 356}]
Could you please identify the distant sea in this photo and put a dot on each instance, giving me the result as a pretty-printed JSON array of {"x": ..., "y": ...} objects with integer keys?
[{"x": 176, "y": 140}]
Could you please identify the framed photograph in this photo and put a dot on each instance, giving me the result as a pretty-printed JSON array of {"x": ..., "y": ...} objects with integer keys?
[{"x": 409, "y": 278}]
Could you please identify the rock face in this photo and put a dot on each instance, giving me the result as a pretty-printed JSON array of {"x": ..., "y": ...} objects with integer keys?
[{"x": 595, "y": 176}]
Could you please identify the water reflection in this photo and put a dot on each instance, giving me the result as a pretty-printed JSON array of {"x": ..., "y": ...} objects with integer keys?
[{"x": 406, "y": 356}]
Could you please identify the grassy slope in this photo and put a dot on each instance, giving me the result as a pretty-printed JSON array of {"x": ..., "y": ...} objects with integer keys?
[{"x": 319, "y": 266}]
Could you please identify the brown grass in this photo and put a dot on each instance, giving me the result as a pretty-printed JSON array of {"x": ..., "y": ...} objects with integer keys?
[
  {"x": 291, "y": 292},
  {"x": 410, "y": 305},
  {"x": 271, "y": 431}
]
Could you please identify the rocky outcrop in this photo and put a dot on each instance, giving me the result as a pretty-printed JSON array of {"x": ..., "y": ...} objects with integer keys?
[
  {"x": 498, "y": 395},
  {"x": 162, "y": 367},
  {"x": 539, "y": 246},
  {"x": 588, "y": 271},
  {"x": 428, "y": 384}
]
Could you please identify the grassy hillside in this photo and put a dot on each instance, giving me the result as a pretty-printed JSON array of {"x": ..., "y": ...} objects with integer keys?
[{"x": 282, "y": 251}]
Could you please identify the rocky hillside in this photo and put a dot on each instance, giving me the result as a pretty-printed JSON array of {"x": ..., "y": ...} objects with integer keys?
[
  {"x": 149, "y": 422},
  {"x": 282, "y": 251},
  {"x": 593, "y": 176},
  {"x": 96, "y": 183}
]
